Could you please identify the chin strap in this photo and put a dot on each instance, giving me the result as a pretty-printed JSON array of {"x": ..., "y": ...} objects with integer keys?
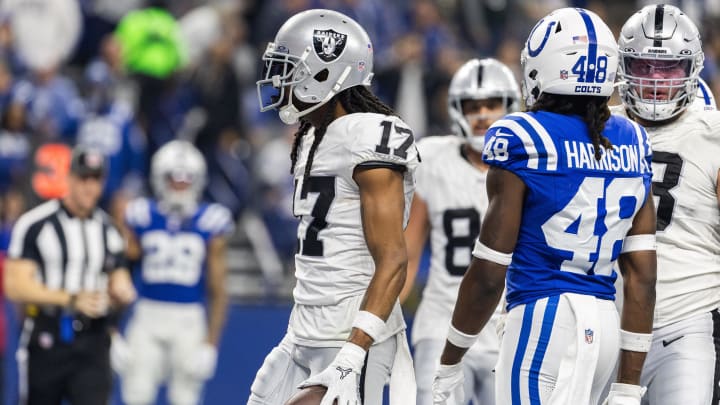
[{"x": 289, "y": 115}]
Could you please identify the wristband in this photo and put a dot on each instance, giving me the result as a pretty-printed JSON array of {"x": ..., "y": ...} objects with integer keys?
[
  {"x": 638, "y": 242},
  {"x": 635, "y": 342},
  {"x": 460, "y": 339},
  {"x": 483, "y": 252},
  {"x": 635, "y": 391},
  {"x": 370, "y": 323}
]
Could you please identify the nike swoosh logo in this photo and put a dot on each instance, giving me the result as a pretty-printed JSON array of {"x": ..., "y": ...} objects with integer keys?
[{"x": 667, "y": 343}]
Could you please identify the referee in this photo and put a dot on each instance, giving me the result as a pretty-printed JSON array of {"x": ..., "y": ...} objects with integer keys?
[{"x": 65, "y": 262}]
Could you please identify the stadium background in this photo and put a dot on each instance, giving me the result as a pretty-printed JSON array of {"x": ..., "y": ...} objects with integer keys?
[{"x": 127, "y": 76}]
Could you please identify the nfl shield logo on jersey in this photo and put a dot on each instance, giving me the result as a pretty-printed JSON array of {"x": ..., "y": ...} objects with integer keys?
[
  {"x": 564, "y": 74},
  {"x": 589, "y": 336},
  {"x": 329, "y": 44}
]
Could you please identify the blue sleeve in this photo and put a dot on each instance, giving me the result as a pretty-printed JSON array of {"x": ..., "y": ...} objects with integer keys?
[
  {"x": 521, "y": 143},
  {"x": 504, "y": 149},
  {"x": 216, "y": 220}
]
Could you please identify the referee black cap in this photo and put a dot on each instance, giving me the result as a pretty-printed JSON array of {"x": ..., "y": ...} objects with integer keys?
[{"x": 87, "y": 162}]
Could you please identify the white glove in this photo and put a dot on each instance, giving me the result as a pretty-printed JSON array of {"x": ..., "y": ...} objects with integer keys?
[
  {"x": 341, "y": 377},
  {"x": 624, "y": 394},
  {"x": 202, "y": 362},
  {"x": 120, "y": 353},
  {"x": 448, "y": 384}
]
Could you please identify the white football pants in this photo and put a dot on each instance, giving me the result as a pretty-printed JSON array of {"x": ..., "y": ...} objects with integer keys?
[
  {"x": 682, "y": 366},
  {"x": 163, "y": 337},
  {"x": 559, "y": 350},
  {"x": 289, "y": 364}
]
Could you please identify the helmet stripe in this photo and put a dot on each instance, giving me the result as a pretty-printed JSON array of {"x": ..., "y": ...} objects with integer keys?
[
  {"x": 704, "y": 92},
  {"x": 592, "y": 45},
  {"x": 659, "y": 17},
  {"x": 480, "y": 76}
]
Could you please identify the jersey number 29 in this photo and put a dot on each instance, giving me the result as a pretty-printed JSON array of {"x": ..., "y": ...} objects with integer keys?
[{"x": 174, "y": 259}]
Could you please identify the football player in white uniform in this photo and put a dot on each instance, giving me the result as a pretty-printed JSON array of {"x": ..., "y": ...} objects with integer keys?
[
  {"x": 450, "y": 199},
  {"x": 354, "y": 163},
  {"x": 660, "y": 60},
  {"x": 180, "y": 243}
]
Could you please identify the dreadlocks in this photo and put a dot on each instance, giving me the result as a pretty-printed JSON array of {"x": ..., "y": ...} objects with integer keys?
[
  {"x": 356, "y": 99},
  {"x": 304, "y": 127},
  {"x": 593, "y": 110},
  {"x": 360, "y": 99}
]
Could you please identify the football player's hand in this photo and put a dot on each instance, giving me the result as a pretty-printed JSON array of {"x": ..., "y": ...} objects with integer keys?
[
  {"x": 341, "y": 377},
  {"x": 202, "y": 361},
  {"x": 120, "y": 353},
  {"x": 624, "y": 394},
  {"x": 448, "y": 384}
]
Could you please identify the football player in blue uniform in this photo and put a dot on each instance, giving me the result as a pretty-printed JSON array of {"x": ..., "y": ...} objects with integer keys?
[
  {"x": 569, "y": 195},
  {"x": 181, "y": 246}
]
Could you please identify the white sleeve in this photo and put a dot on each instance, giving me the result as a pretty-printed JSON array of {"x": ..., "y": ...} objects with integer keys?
[
  {"x": 383, "y": 141},
  {"x": 217, "y": 220}
]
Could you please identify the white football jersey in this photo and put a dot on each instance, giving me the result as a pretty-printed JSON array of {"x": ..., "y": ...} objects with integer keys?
[
  {"x": 456, "y": 197},
  {"x": 333, "y": 262},
  {"x": 685, "y": 169}
]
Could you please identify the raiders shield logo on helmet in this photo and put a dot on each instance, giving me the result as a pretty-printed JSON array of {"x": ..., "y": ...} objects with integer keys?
[{"x": 329, "y": 45}]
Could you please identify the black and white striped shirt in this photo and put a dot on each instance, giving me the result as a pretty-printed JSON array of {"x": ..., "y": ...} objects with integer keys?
[{"x": 72, "y": 254}]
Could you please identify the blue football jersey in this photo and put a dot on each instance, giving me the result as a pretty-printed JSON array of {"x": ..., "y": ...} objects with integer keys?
[
  {"x": 173, "y": 263},
  {"x": 577, "y": 209}
]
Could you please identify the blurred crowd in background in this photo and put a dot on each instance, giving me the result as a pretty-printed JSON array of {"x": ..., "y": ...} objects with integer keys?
[{"x": 128, "y": 76}]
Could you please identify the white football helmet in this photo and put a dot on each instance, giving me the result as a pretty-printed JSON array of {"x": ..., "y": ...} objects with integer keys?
[
  {"x": 659, "y": 34},
  {"x": 480, "y": 79},
  {"x": 315, "y": 55},
  {"x": 571, "y": 51},
  {"x": 180, "y": 161}
]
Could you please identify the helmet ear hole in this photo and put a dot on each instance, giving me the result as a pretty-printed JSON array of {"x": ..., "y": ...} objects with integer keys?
[{"x": 322, "y": 75}]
